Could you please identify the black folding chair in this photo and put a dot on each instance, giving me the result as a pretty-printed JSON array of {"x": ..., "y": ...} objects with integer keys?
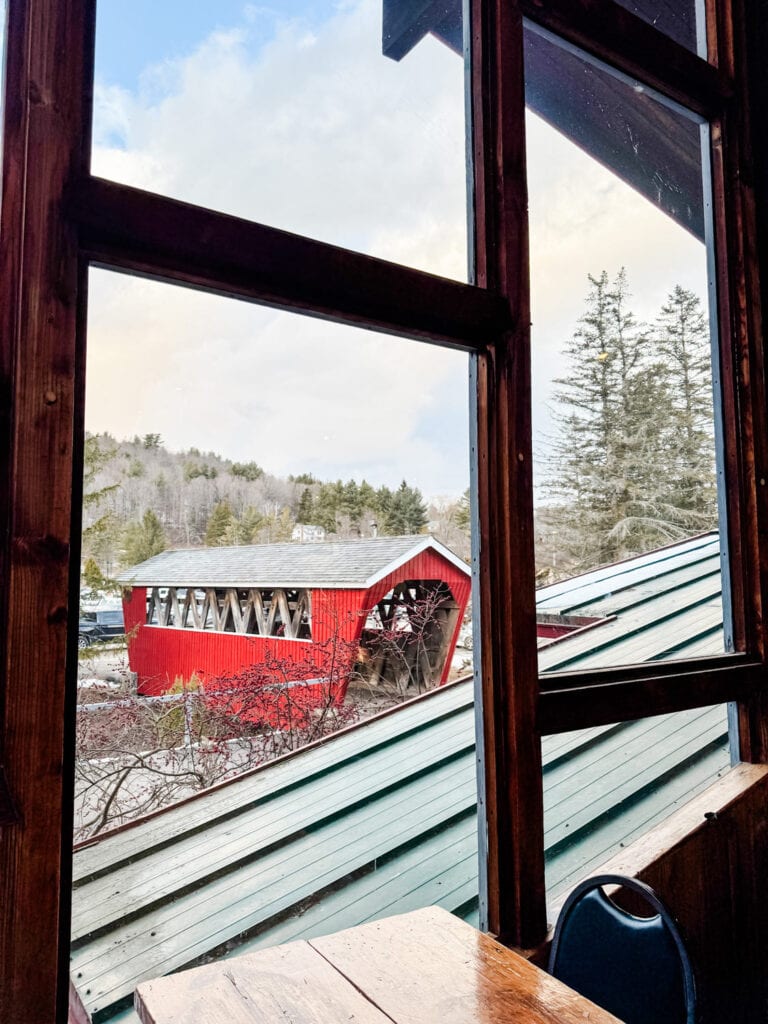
[{"x": 637, "y": 968}]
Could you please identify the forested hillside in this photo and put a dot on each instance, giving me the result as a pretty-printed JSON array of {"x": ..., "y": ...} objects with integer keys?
[
  {"x": 141, "y": 498},
  {"x": 631, "y": 465}
]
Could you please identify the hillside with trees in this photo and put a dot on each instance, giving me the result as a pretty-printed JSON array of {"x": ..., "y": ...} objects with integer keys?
[
  {"x": 141, "y": 498},
  {"x": 630, "y": 468}
]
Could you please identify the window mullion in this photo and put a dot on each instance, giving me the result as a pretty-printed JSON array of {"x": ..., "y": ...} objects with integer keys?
[
  {"x": 45, "y": 124},
  {"x": 150, "y": 234},
  {"x": 514, "y": 868}
]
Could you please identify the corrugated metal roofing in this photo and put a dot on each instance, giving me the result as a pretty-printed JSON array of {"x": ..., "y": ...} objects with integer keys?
[
  {"x": 331, "y": 564},
  {"x": 382, "y": 818},
  {"x": 666, "y": 604}
]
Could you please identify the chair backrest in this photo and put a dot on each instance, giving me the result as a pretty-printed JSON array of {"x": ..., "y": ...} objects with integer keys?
[{"x": 637, "y": 968}]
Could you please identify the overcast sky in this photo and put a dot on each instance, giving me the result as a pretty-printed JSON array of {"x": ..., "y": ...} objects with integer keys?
[{"x": 291, "y": 116}]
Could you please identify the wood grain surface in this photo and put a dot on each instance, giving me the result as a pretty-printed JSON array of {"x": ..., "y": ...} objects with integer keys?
[
  {"x": 417, "y": 968},
  {"x": 286, "y": 983}
]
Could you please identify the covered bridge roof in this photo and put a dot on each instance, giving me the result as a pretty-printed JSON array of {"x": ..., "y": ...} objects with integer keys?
[
  {"x": 382, "y": 818},
  {"x": 329, "y": 564}
]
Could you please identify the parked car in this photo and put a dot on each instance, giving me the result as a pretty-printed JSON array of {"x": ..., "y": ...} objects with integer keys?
[{"x": 100, "y": 625}]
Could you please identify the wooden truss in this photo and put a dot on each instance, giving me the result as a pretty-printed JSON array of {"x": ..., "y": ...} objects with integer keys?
[
  {"x": 277, "y": 612},
  {"x": 408, "y": 649}
]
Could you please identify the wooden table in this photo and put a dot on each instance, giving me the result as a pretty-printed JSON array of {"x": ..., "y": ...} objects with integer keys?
[{"x": 426, "y": 967}]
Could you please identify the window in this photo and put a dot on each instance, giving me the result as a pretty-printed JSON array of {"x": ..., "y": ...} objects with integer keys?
[{"x": 57, "y": 219}]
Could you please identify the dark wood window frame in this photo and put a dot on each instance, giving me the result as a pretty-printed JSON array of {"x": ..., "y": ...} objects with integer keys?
[{"x": 57, "y": 220}]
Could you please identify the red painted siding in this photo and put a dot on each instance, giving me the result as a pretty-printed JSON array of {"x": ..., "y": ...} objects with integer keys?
[
  {"x": 429, "y": 565},
  {"x": 161, "y": 655}
]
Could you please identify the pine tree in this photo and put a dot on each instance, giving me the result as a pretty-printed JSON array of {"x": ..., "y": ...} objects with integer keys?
[
  {"x": 682, "y": 339},
  {"x": 350, "y": 504},
  {"x": 284, "y": 525},
  {"x": 305, "y": 510},
  {"x": 101, "y": 529},
  {"x": 326, "y": 507},
  {"x": 93, "y": 578},
  {"x": 251, "y": 522},
  {"x": 407, "y": 512},
  {"x": 221, "y": 523},
  {"x": 143, "y": 540},
  {"x": 247, "y": 470},
  {"x": 611, "y": 458},
  {"x": 462, "y": 514}
]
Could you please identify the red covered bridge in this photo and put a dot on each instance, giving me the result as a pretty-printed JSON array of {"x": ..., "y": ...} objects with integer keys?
[{"x": 391, "y": 607}]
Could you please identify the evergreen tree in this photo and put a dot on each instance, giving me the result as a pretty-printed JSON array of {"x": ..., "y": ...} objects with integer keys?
[
  {"x": 349, "y": 501},
  {"x": 247, "y": 470},
  {"x": 612, "y": 459},
  {"x": 251, "y": 522},
  {"x": 93, "y": 578},
  {"x": 143, "y": 540},
  {"x": 462, "y": 514},
  {"x": 284, "y": 525},
  {"x": 407, "y": 512},
  {"x": 101, "y": 528},
  {"x": 367, "y": 496},
  {"x": 326, "y": 507},
  {"x": 221, "y": 525},
  {"x": 383, "y": 505},
  {"x": 682, "y": 339},
  {"x": 305, "y": 510}
]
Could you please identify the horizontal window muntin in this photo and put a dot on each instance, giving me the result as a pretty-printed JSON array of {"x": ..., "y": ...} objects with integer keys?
[{"x": 135, "y": 232}]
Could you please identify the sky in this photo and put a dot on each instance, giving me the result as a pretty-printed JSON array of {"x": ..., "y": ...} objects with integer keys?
[{"x": 289, "y": 115}]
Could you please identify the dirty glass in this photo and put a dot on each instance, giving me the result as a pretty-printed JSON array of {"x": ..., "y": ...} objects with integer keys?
[{"x": 681, "y": 20}]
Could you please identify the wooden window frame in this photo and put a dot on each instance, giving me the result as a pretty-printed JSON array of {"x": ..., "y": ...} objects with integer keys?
[{"x": 57, "y": 220}]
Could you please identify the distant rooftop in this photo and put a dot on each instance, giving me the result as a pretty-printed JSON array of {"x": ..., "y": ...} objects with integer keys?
[{"x": 331, "y": 564}]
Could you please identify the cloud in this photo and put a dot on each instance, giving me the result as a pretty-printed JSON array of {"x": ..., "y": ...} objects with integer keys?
[
  {"x": 304, "y": 125},
  {"x": 316, "y": 132},
  {"x": 584, "y": 220},
  {"x": 313, "y": 131}
]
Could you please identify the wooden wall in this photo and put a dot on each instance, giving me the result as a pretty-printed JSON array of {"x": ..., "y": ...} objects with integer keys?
[{"x": 709, "y": 862}]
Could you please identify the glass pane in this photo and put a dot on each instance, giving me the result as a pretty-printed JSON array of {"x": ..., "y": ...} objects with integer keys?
[
  {"x": 681, "y": 20},
  {"x": 627, "y": 526},
  {"x": 297, "y": 115},
  {"x": 607, "y": 786},
  {"x": 276, "y": 520}
]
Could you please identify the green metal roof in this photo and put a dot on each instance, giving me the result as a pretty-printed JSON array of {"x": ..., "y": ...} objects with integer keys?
[
  {"x": 382, "y": 817},
  {"x": 666, "y": 604}
]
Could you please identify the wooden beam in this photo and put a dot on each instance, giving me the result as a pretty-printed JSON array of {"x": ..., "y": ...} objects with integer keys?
[
  {"x": 625, "y": 700},
  {"x": 654, "y": 149},
  {"x": 639, "y": 139},
  {"x": 621, "y": 39},
  {"x": 512, "y": 792},
  {"x": 404, "y": 25},
  {"x": 47, "y": 110},
  {"x": 744, "y": 177},
  {"x": 125, "y": 228},
  {"x": 584, "y": 679}
]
